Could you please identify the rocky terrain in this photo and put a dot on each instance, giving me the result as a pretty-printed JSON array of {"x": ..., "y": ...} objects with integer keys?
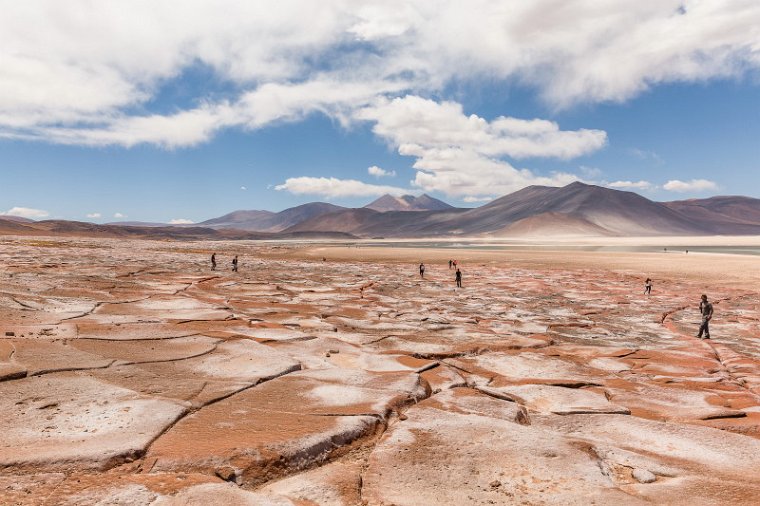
[{"x": 131, "y": 374}]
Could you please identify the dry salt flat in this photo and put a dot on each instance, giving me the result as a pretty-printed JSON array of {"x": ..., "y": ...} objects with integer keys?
[{"x": 131, "y": 374}]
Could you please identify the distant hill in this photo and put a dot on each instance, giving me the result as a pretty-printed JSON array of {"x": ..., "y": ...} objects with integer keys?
[
  {"x": 577, "y": 209},
  {"x": 137, "y": 224},
  {"x": 407, "y": 203},
  {"x": 267, "y": 221},
  {"x": 15, "y": 218},
  {"x": 725, "y": 214},
  {"x": 84, "y": 229}
]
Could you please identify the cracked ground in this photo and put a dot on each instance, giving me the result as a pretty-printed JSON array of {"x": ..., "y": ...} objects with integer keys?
[{"x": 131, "y": 374}]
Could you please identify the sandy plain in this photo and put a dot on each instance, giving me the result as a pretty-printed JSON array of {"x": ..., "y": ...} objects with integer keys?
[{"x": 131, "y": 374}]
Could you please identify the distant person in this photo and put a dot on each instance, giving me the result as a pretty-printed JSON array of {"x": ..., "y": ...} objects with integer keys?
[
  {"x": 648, "y": 286},
  {"x": 235, "y": 264},
  {"x": 706, "y": 309},
  {"x": 458, "y": 277},
  {"x": 213, "y": 261},
  {"x": 455, "y": 263},
  {"x": 451, "y": 262},
  {"x": 422, "y": 270}
]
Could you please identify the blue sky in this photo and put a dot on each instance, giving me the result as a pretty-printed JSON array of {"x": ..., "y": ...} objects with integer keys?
[{"x": 242, "y": 108}]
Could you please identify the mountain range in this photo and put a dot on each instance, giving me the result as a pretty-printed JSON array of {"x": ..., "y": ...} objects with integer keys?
[{"x": 577, "y": 209}]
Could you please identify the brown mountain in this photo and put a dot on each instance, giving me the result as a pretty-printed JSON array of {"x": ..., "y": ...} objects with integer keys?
[
  {"x": 578, "y": 209},
  {"x": 84, "y": 229},
  {"x": 15, "y": 218},
  {"x": 408, "y": 203},
  {"x": 726, "y": 214},
  {"x": 267, "y": 221}
]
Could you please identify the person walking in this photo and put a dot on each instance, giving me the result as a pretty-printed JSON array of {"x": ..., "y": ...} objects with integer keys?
[
  {"x": 235, "y": 264},
  {"x": 458, "y": 277},
  {"x": 213, "y": 261},
  {"x": 648, "y": 286},
  {"x": 451, "y": 262},
  {"x": 422, "y": 270},
  {"x": 706, "y": 309}
]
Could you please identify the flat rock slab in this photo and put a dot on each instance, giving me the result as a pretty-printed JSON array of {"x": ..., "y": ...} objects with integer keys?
[
  {"x": 324, "y": 352},
  {"x": 138, "y": 331},
  {"x": 674, "y": 402},
  {"x": 161, "y": 308},
  {"x": 527, "y": 366},
  {"x": 472, "y": 402},
  {"x": 334, "y": 484},
  {"x": 691, "y": 450},
  {"x": 136, "y": 352},
  {"x": 40, "y": 356},
  {"x": 58, "y": 331},
  {"x": 558, "y": 400},
  {"x": 444, "y": 457},
  {"x": 204, "y": 495},
  {"x": 259, "y": 444},
  {"x": 196, "y": 381},
  {"x": 284, "y": 424},
  {"x": 57, "y": 421},
  {"x": 241, "y": 360}
]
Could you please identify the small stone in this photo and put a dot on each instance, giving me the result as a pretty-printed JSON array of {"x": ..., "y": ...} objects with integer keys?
[
  {"x": 644, "y": 476},
  {"x": 402, "y": 416},
  {"x": 227, "y": 473},
  {"x": 495, "y": 484},
  {"x": 327, "y": 354},
  {"x": 333, "y": 351},
  {"x": 10, "y": 334}
]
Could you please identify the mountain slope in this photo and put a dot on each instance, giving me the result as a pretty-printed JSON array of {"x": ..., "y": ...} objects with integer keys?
[
  {"x": 407, "y": 203},
  {"x": 575, "y": 209},
  {"x": 617, "y": 212},
  {"x": 725, "y": 211},
  {"x": 267, "y": 221}
]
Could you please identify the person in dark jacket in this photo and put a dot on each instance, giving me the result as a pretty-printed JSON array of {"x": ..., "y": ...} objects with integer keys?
[
  {"x": 458, "y": 277},
  {"x": 706, "y": 309}
]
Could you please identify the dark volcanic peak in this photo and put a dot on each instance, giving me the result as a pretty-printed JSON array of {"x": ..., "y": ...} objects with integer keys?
[{"x": 407, "y": 203}]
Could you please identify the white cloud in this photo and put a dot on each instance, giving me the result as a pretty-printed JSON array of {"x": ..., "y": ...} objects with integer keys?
[
  {"x": 290, "y": 58},
  {"x": 378, "y": 172},
  {"x": 462, "y": 155},
  {"x": 26, "y": 212},
  {"x": 331, "y": 187},
  {"x": 93, "y": 215},
  {"x": 181, "y": 221},
  {"x": 694, "y": 185},
  {"x": 119, "y": 215},
  {"x": 470, "y": 199},
  {"x": 243, "y": 188},
  {"x": 637, "y": 185}
]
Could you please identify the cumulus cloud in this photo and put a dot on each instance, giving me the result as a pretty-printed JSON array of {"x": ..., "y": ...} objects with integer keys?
[
  {"x": 331, "y": 187},
  {"x": 119, "y": 215},
  {"x": 694, "y": 185},
  {"x": 636, "y": 185},
  {"x": 471, "y": 200},
  {"x": 290, "y": 58},
  {"x": 26, "y": 212},
  {"x": 93, "y": 215},
  {"x": 181, "y": 221},
  {"x": 378, "y": 172},
  {"x": 463, "y": 155}
]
